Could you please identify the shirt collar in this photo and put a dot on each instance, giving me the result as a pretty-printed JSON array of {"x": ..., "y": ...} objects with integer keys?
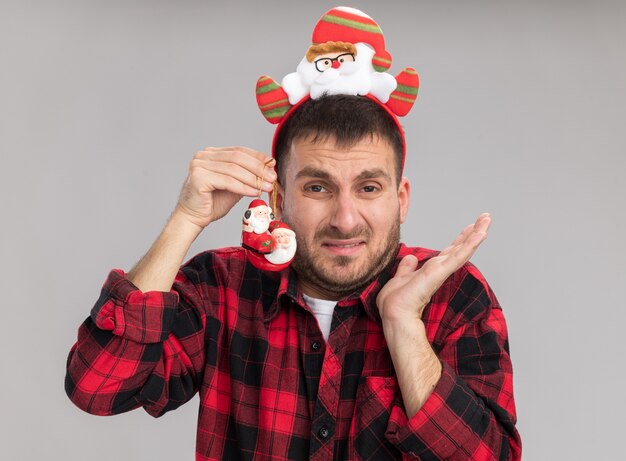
[{"x": 281, "y": 287}]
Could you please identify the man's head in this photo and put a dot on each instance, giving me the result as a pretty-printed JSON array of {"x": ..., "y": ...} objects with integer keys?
[
  {"x": 343, "y": 118},
  {"x": 339, "y": 161}
]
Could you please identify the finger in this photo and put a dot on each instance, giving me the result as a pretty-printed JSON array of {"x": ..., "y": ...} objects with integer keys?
[
  {"x": 206, "y": 176},
  {"x": 480, "y": 226},
  {"x": 478, "y": 233},
  {"x": 230, "y": 184},
  {"x": 257, "y": 163},
  {"x": 463, "y": 235},
  {"x": 240, "y": 173},
  {"x": 407, "y": 265},
  {"x": 245, "y": 153},
  {"x": 464, "y": 247},
  {"x": 247, "y": 150},
  {"x": 483, "y": 222},
  {"x": 202, "y": 168},
  {"x": 475, "y": 240},
  {"x": 458, "y": 253},
  {"x": 462, "y": 252},
  {"x": 262, "y": 167}
]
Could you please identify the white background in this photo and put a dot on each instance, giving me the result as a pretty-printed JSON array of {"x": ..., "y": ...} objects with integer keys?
[{"x": 520, "y": 113}]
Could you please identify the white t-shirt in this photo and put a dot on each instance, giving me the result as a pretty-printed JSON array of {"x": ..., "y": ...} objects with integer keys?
[{"x": 323, "y": 310}]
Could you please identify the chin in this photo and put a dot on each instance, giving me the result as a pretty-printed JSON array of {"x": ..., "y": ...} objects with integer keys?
[{"x": 341, "y": 275}]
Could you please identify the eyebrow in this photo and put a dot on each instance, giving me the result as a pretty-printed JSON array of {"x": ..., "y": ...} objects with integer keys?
[
  {"x": 312, "y": 172},
  {"x": 373, "y": 174}
]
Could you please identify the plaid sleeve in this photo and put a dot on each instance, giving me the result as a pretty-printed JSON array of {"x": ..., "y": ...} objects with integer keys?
[
  {"x": 471, "y": 412},
  {"x": 137, "y": 349}
]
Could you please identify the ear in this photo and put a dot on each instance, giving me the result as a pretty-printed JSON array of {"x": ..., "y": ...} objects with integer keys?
[
  {"x": 404, "y": 197},
  {"x": 278, "y": 212}
]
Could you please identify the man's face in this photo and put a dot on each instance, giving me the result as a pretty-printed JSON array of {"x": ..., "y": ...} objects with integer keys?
[{"x": 345, "y": 208}]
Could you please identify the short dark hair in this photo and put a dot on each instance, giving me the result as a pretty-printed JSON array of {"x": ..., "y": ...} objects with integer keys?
[{"x": 345, "y": 118}]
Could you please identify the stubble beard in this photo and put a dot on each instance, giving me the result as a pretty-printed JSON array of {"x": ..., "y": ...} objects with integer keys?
[{"x": 314, "y": 269}]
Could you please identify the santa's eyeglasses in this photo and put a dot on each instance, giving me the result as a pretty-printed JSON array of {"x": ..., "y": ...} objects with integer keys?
[{"x": 322, "y": 64}]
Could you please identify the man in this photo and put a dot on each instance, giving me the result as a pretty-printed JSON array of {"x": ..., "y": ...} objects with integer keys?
[{"x": 413, "y": 363}]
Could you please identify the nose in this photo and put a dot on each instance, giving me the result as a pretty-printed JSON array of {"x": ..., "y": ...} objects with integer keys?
[
  {"x": 336, "y": 64},
  {"x": 346, "y": 215}
]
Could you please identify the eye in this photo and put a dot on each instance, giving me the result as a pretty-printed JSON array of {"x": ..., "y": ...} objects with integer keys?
[
  {"x": 315, "y": 188},
  {"x": 371, "y": 190}
]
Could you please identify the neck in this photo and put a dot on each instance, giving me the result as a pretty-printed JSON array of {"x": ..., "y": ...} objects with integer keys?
[{"x": 316, "y": 291}]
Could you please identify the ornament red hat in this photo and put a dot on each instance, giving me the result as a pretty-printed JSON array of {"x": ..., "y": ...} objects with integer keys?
[
  {"x": 345, "y": 24},
  {"x": 256, "y": 203},
  {"x": 279, "y": 225}
]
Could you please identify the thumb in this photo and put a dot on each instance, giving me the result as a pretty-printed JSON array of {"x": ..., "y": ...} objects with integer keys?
[{"x": 407, "y": 265}]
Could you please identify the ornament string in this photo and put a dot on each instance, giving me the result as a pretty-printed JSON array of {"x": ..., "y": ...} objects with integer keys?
[
  {"x": 262, "y": 179},
  {"x": 274, "y": 189},
  {"x": 259, "y": 183}
]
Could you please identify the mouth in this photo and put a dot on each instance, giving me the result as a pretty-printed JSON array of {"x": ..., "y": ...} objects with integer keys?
[{"x": 343, "y": 247}]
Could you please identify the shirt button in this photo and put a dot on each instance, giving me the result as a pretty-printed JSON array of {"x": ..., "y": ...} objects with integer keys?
[
  {"x": 316, "y": 345},
  {"x": 323, "y": 432}
]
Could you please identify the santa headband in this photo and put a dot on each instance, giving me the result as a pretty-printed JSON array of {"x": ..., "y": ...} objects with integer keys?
[{"x": 347, "y": 56}]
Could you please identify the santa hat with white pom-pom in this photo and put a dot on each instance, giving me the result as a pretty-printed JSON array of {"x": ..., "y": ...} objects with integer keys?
[{"x": 347, "y": 24}]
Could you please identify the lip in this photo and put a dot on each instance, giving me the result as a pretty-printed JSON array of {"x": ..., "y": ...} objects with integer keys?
[{"x": 343, "y": 247}]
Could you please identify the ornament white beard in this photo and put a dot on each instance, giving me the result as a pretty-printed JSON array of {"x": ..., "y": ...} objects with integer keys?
[
  {"x": 353, "y": 78},
  {"x": 281, "y": 253},
  {"x": 258, "y": 225}
]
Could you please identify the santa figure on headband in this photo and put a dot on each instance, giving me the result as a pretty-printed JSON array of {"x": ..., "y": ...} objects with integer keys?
[
  {"x": 338, "y": 68},
  {"x": 347, "y": 56}
]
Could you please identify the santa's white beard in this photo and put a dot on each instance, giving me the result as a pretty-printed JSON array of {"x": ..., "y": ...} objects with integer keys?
[
  {"x": 346, "y": 70},
  {"x": 353, "y": 78},
  {"x": 258, "y": 225},
  {"x": 281, "y": 254}
]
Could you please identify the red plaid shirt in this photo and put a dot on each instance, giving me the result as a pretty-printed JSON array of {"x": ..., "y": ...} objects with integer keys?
[{"x": 272, "y": 388}]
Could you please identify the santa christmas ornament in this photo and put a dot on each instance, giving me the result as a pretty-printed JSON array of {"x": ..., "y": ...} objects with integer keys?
[
  {"x": 284, "y": 245},
  {"x": 347, "y": 56},
  {"x": 270, "y": 244}
]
